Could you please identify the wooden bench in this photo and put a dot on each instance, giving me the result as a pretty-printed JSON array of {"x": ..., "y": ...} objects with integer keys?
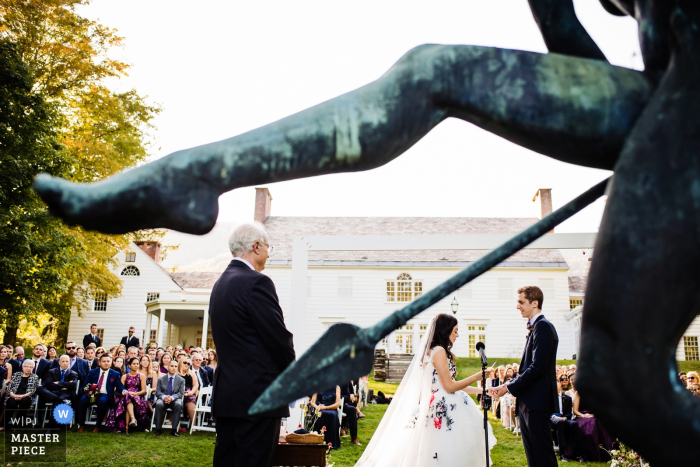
[{"x": 307, "y": 455}]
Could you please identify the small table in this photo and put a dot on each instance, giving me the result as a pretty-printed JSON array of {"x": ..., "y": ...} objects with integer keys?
[{"x": 307, "y": 455}]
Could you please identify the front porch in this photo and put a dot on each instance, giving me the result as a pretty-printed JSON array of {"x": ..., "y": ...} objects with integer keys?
[{"x": 182, "y": 322}]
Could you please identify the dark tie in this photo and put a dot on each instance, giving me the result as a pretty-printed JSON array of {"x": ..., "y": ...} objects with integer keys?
[
  {"x": 63, "y": 375},
  {"x": 199, "y": 376},
  {"x": 170, "y": 386},
  {"x": 99, "y": 381},
  {"x": 35, "y": 367}
]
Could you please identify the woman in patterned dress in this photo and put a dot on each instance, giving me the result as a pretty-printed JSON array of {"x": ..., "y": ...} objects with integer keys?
[
  {"x": 131, "y": 401},
  {"x": 189, "y": 401},
  {"x": 431, "y": 420}
]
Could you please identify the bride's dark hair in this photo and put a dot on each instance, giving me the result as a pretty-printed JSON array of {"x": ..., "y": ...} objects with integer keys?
[{"x": 444, "y": 324}]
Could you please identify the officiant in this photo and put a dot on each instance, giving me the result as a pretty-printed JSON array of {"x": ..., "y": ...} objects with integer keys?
[{"x": 254, "y": 347}]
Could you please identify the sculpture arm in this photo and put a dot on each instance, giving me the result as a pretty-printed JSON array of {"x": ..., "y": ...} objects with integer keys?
[{"x": 574, "y": 110}]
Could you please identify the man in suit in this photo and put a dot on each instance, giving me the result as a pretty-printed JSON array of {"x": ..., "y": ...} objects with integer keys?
[
  {"x": 59, "y": 384},
  {"x": 76, "y": 364},
  {"x": 199, "y": 371},
  {"x": 559, "y": 419},
  {"x": 41, "y": 366},
  {"x": 108, "y": 381},
  {"x": 16, "y": 363},
  {"x": 130, "y": 340},
  {"x": 170, "y": 390},
  {"x": 536, "y": 386},
  {"x": 255, "y": 347},
  {"x": 92, "y": 337},
  {"x": 90, "y": 358}
]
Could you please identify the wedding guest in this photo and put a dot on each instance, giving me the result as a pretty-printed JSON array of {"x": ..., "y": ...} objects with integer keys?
[
  {"x": 516, "y": 370},
  {"x": 506, "y": 402},
  {"x": 51, "y": 354},
  {"x": 130, "y": 340},
  {"x": 141, "y": 352},
  {"x": 41, "y": 366},
  {"x": 351, "y": 411},
  {"x": 130, "y": 409},
  {"x": 78, "y": 365},
  {"x": 559, "y": 419},
  {"x": 695, "y": 389},
  {"x": 189, "y": 398},
  {"x": 118, "y": 365},
  {"x": 132, "y": 352},
  {"x": 169, "y": 349},
  {"x": 693, "y": 378},
  {"x": 326, "y": 404},
  {"x": 16, "y": 362},
  {"x": 121, "y": 354},
  {"x": 59, "y": 385},
  {"x": 80, "y": 352},
  {"x": 92, "y": 337},
  {"x": 165, "y": 360},
  {"x": 90, "y": 358},
  {"x": 592, "y": 435},
  {"x": 159, "y": 354},
  {"x": 5, "y": 367},
  {"x": 170, "y": 390},
  {"x": 21, "y": 390},
  {"x": 108, "y": 383},
  {"x": 683, "y": 378},
  {"x": 211, "y": 365},
  {"x": 571, "y": 392},
  {"x": 155, "y": 375},
  {"x": 151, "y": 354},
  {"x": 199, "y": 371},
  {"x": 152, "y": 345}
]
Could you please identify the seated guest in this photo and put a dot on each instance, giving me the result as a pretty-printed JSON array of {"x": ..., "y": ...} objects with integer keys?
[
  {"x": 170, "y": 390},
  {"x": 16, "y": 361},
  {"x": 159, "y": 354},
  {"x": 559, "y": 418},
  {"x": 199, "y": 371},
  {"x": 80, "y": 352},
  {"x": 121, "y": 353},
  {"x": 113, "y": 351},
  {"x": 165, "y": 360},
  {"x": 153, "y": 345},
  {"x": 141, "y": 352},
  {"x": 108, "y": 382},
  {"x": 5, "y": 367},
  {"x": 326, "y": 404},
  {"x": 683, "y": 378},
  {"x": 211, "y": 365},
  {"x": 118, "y": 365},
  {"x": 695, "y": 389},
  {"x": 90, "y": 358},
  {"x": 78, "y": 365},
  {"x": 693, "y": 378},
  {"x": 189, "y": 398},
  {"x": 592, "y": 435},
  {"x": 130, "y": 409},
  {"x": 506, "y": 402},
  {"x": 151, "y": 354},
  {"x": 169, "y": 349},
  {"x": 51, "y": 353},
  {"x": 21, "y": 390},
  {"x": 351, "y": 412},
  {"x": 155, "y": 376},
  {"x": 59, "y": 384},
  {"x": 133, "y": 352},
  {"x": 572, "y": 381}
]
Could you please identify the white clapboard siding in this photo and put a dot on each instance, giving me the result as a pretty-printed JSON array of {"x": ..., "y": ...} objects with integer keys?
[
  {"x": 694, "y": 331},
  {"x": 129, "y": 308}
]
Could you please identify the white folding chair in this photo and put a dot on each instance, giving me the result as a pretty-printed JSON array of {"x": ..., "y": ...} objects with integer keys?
[
  {"x": 201, "y": 409},
  {"x": 166, "y": 424},
  {"x": 341, "y": 414}
]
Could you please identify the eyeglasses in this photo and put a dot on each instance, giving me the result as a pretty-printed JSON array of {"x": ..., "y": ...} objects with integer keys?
[
  {"x": 185, "y": 363},
  {"x": 269, "y": 248},
  {"x": 692, "y": 377},
  {"x": 70, "y": 348},
  {"x": 564, "y": 379}
]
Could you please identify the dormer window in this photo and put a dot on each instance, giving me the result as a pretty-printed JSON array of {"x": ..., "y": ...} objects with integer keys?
[{"x": 130, "y": 256}]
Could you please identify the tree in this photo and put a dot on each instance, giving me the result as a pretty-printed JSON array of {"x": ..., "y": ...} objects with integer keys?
[{"x": 95, "y": 132}]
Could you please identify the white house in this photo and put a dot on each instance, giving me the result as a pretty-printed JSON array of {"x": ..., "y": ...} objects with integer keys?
[{"x": 358, "y": 287}]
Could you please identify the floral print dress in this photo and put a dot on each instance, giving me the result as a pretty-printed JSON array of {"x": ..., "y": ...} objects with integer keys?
[{"x": 454, "y": 435}]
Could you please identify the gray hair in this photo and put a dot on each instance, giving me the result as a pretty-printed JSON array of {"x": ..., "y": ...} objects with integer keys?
[
  {"x": 28, "y": 362},
  {"x": 244, "y": 237}
]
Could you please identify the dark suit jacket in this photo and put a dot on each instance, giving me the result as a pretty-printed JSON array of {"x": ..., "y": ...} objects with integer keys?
[
  {"x": 252, "y": 342},
  {"x": 567, "y": 406},
  {"x": 114, "y": 381},
  {"x": 134, "y": 342},
  {"x": 95, "y": 363},
  {"x": 210, "y": 373},
  {"x": 42, "y": 368},
  {"x": 87, "y": 340},
  {"x": 80, "y": 367},
  {"x": 16, "y": 364},
  {"x": 204, "y": 374},
  {"x": 53, "y": 383},
  {"x": 536, "y": 387}
]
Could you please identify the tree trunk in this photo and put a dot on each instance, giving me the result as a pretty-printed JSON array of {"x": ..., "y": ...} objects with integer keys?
[{"x": 10, "y": 336}]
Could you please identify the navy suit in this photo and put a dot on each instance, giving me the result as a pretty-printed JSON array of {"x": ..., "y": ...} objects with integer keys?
[
  {"x": 103, "y": 401},
  {"x": 536, "y": 392},
  {"x": 559, "y": 426},
  {"x": 204, "y": 375},
  {"x": 80, "y": 366},
  {"x": 87, "y": 340},
  {"x": 41, "y": 368},
  {"x": 16, "y": 364},
  {"x": 210, "y": 373}
]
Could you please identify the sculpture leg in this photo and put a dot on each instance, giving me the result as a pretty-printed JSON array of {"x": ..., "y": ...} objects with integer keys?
[
  {"x": 644, "y": 286},
  {"x": 576, "y": 110}
]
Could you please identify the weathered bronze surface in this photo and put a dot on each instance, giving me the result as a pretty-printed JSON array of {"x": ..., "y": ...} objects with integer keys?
[
  {"x": 571, "y": 105},
  {"x": 346, "y": 349}
]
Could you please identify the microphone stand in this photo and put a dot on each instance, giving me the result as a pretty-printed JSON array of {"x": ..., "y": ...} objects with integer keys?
[{"x": 483, "y": 400}]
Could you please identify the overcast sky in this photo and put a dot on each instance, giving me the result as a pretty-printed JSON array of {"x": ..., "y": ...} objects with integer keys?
[{"x": 221, "y": 68}]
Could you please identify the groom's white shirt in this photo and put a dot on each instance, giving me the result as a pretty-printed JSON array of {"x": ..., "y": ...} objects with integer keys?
[
  {"x": 236, "y": 258},
  {"x": 532, "y": 321}
]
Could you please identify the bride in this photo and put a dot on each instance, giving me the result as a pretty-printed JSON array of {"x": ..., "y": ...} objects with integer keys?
[{"x": 431, "y": 420}]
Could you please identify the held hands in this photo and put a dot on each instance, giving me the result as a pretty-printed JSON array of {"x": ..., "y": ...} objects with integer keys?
[{"x": 498, "y": 391}]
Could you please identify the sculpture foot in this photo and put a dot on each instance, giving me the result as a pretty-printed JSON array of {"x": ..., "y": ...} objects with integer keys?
[{"x": 132, "y": 201}]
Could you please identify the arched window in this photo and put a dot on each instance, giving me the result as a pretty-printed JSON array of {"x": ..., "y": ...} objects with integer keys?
[
  {"x": 131, "y": 271},
  {"x": 403, "y": 289}
]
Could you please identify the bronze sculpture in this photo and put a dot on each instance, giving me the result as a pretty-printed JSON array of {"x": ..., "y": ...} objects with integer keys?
[{"x": 569, "y": 104}]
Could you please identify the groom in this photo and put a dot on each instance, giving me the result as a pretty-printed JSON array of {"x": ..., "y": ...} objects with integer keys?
[{"x": 536, "y": 387}]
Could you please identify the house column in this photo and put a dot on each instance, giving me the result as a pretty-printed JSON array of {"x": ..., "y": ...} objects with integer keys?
[
  {"x": 416, "y": 337},
  {"x": 205, "y": 328},
  {"x": 170, "y": 329},
  {"x": 147, "y": 334},
  {"x": 161, "y": 323}
]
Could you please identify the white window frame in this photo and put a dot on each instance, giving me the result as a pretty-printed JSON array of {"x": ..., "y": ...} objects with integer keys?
[
  {"x": 694, "y": 353},
  {"x": 130, "y": 257},
  {"x": 403, "y": 338},
  {"x": 345, "y": 287},
  {"x": 476, "y": 332},
  {"x": 506, "y": 289},
  {"x": 100, "y": 301},
  {"x": 130, "y": 267},
  {"x": 394, "y": 299},
  {"x": 152, "y": 296}
]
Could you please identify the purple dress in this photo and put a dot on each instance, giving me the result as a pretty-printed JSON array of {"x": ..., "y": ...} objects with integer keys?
[
  {"x": 586, "y": 437},
  {"x": 116, "y": 421}
]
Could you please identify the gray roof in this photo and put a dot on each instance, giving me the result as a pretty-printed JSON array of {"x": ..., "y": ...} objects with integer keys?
[
  {"x": 283, "y": 229},
  {"x": 195, "y": 280},
  {"x": 577, "y": 284}
]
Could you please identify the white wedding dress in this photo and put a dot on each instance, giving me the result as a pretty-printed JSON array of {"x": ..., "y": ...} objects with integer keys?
[{"x": 427, "y": 426}]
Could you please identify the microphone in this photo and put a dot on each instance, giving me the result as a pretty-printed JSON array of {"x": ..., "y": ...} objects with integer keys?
[{"x": 480, "y": 348}]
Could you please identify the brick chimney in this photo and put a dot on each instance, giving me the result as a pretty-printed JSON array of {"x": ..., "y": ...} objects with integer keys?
[
  {"x": 545, "y": 195},
  {"x": 152, "y": 249},
  {"x": 263, "y": 204}
]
